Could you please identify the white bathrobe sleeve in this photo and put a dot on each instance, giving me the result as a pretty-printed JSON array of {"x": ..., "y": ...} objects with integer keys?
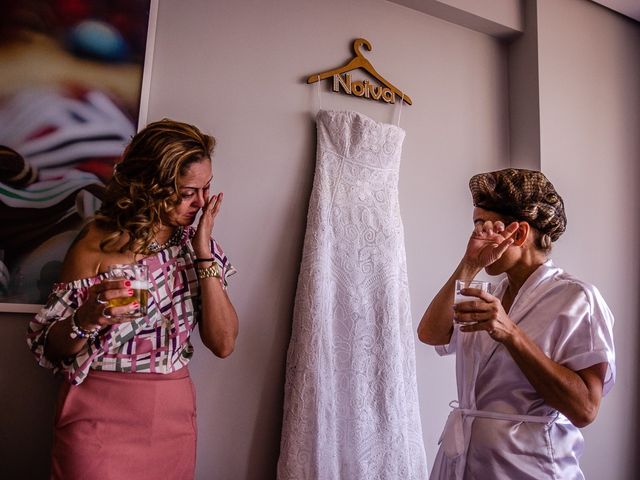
[{"x": 583, "y": 331}]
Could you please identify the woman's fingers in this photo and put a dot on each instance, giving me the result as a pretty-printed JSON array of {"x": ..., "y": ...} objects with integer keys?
[
  {"x": 486, "y": 313},
  {"x": 215, "y": 207},
  {"x": 115, "y": 298},
  {"x": 112, "y": 283},
  {"x": 493, "y": 328},
  {"x": 214, "y": 204},
  {"x": 218, "y": 201},
  {"x": 477, "y": 292},
  {"x": 472, "y": 318},
  {"x": 210, "y": 212},
  {"x": 116, "y": 314},
  {"x": 476, "y": 327},
  {"x": 490, "y": 229},
  {"x": 471, "y": 313},
  {"x": 499, "y": 249},
  {"x": 507, "y": 240},
  {"x": 218, "y": 204},
  {"x": 117, "y": 291},
  {"x": 203, "y": 231},
  {"x": 481, "y": 310}
]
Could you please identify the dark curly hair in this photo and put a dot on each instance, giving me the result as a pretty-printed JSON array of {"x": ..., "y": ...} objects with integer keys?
[{"x": 144, "y": 187}]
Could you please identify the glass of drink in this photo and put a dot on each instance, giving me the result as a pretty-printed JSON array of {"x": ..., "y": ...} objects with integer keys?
[
  {"x": 138, "y": 274},
  {"x": 459, "y": 298}
]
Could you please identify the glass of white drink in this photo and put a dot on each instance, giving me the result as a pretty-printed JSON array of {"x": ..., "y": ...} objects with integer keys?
[{"x": 458, "y": 297}]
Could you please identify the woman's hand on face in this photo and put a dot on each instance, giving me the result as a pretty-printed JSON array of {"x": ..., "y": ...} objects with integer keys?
[
  {"x": 486, "y": 314},
  {"x": 488, "y": 241},
  {"x": 202, "y": 239},
  {"x": 95, "y": 311}
]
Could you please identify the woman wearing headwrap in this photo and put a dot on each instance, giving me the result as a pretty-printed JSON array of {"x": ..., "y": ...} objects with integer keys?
[{"x": 535, "y": 366}]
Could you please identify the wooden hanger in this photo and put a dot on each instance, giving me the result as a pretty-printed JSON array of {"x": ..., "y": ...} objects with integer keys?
[{"x": 360, "y": 62}]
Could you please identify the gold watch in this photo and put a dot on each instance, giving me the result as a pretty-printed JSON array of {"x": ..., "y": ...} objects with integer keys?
[{"x": 209, "y": 272}]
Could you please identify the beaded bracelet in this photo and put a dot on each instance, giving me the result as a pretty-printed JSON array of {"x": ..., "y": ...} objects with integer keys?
[{"x": 78, "y": 332}]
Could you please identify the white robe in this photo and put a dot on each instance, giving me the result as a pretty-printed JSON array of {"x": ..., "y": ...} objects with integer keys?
[{"x": 502, "y": 428}]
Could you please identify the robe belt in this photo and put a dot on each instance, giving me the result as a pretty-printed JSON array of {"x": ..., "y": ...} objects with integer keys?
[
  {"x": 505, "y": 416},
  {"x": 453, "y": 436}
]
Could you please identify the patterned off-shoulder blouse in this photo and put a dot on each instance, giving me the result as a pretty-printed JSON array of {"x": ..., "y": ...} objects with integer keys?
[{"x": 157, "y": 343}]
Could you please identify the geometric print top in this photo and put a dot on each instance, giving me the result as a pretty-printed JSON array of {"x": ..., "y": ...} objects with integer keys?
[{"x": 157, "y": 343}]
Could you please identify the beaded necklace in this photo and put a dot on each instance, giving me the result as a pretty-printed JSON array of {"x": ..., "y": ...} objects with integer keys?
[{"x": 155, "y": 247}]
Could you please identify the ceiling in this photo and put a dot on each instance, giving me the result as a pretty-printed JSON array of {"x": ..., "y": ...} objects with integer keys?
[{"x": 630, "y": 8}]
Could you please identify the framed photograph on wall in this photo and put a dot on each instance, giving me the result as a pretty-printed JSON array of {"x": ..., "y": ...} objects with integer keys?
[{"x": 74, "y": 89}]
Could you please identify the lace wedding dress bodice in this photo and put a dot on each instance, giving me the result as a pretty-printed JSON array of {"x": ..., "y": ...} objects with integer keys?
[{"x": 351, "y": 403}]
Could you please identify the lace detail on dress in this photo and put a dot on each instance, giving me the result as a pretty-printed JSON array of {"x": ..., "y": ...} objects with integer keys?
[{"x": 351, "y": 403}]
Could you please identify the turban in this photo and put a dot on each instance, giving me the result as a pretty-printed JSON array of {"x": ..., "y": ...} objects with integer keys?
[{"x": 525, "y": 195}]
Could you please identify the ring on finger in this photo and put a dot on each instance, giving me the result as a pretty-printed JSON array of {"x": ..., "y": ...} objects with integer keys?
[{"x": 101, "y": 300}]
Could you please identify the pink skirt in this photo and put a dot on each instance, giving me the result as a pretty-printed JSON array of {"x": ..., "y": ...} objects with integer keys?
[{"x": 126, "y": 425}]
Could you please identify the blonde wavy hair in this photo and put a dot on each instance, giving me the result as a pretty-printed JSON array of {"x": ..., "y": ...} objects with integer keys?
[{"x": 144, "y": 188}]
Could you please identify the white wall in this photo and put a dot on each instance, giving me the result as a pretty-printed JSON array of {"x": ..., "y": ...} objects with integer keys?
[
  {"x": 237, "y": 70},
  {"x": 590, "y": 147}
]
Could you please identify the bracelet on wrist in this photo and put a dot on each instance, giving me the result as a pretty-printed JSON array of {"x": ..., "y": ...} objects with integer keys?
[
  {"x": 209, "y": 272},
  {"x": 200, "y": 260},
  {"x": 78, "y": 332}
]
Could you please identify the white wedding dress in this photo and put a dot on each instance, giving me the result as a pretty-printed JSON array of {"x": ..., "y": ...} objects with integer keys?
[{"x": 351, "y": 402}]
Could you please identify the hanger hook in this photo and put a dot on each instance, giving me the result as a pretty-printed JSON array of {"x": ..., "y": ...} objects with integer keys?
[{"x": 358, "y": 43}]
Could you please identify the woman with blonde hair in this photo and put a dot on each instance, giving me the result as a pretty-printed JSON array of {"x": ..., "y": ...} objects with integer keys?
[{"x": 127, "y": 408}]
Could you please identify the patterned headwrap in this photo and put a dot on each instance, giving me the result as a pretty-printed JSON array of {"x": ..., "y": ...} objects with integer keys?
[{"x": 526, "y": 195}]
